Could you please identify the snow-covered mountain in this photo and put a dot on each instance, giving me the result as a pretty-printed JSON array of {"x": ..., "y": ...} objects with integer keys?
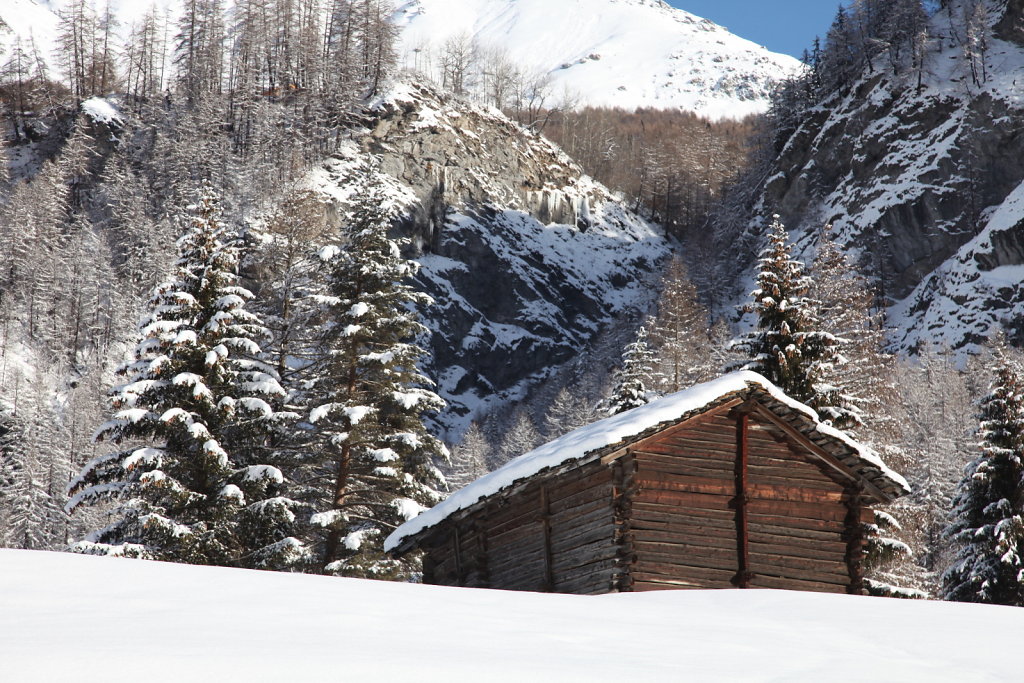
[
  {"x": 627, "y": 53},
  {"x": 527, "y": 258},
  {"x": 623, "y": 53},
  {"x": 74, "y": 617},
  {"x": 924, "y": 187}
]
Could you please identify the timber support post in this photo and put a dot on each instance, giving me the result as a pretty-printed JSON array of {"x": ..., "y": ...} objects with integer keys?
[
  {"x": 741, "y": 501},
  {"x": 460, "y": 570},
  {"x": 623, "y": 489},
  {"x": 855, "y": 538},
  {"x": 483, "y": 573},
  {"x": 548, "y": 581}
]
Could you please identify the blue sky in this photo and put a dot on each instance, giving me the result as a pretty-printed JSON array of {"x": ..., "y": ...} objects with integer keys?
[{"x": 786, "y": 26}]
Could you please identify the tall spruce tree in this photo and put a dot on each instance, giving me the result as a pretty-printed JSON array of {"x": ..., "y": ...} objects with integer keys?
[
  {"x": 193, "y": 421},
  {"x": 988, "y": 512},
  {"x": 374, "y": 449},
  {"x": 631, "y": 386},
  {"x": 788, "y": 347},
  {"x": 854, "y": 375}
]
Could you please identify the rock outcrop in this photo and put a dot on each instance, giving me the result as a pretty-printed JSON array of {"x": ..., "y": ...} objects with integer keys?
[
  {"x": 912, "y": 180},
  {"x": 526, "y": 257}
]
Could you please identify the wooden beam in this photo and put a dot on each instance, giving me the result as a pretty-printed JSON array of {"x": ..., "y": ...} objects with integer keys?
[
  {"x": 483, "y": 569},
  {"x": 743, "y": 574},
  {"x": 460, "y": 575},
  {"x": 623, "y": 491},
  {"x": 855, "y": 541},
  {"x": 817, "y": 451},
  {"x": 548, "y": 581}
]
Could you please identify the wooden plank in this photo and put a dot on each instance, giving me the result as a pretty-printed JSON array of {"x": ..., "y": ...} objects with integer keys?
[
  {"x": 799, "y": 568},
  {"x": 684, "y": 464},
  {"x": 831, "y": 552},
  {"x": 814, "y": 511},
  {"x": 695, "y": 446},
  {"x": 783, "y": 521},
  {"x": 689, "y": 556},
  {"x": 611, "y": 457},
  {"x": 702, "y": 576},
  {"x": 685, "y": 501},
  {"x": 597, "y": 494},
  {"x": 548, "y": 583},
  {"x": 583, "y": 557},
  {"x": 719, "y": 487},
  {"x": 701, "y": 524},
  {"x": 715, "y": 538},
  {"x": 795, "y": 535},
  {"x": 794, "y": 493},
  {"x": 788, "y": 583}
]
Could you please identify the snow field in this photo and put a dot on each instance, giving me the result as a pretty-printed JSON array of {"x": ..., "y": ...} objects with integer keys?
[{"x": 83, "y": 618}]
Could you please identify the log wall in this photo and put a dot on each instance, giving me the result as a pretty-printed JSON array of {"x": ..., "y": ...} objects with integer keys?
[
  {"x": 551, "y": 535},
  {"x": 693, "y": 527},
  {"x": 684, "y": 526},
  {"x": 727, "y": 499}
]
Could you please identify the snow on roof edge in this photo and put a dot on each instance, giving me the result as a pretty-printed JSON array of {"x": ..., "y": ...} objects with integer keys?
[{"x": 612, "y": 430}]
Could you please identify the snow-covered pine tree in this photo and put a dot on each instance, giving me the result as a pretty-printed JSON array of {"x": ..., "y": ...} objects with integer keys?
[
  {"x": 988, "y": 512},
  {"x": 33, "y": 473},
  {"x": 376, "y": 457},
  {"x": 788, "y": 347},
  {"x": 631, "y": 385},
  {"x": 193, "y": 420},
  {"x": 855, "y": 375}
]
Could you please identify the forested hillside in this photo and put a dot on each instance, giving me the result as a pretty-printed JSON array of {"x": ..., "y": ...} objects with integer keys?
[
  {"x": 258, "y": 279},
  {"x": 900, "y": 136},
  {"x": 262, "y": 127}
]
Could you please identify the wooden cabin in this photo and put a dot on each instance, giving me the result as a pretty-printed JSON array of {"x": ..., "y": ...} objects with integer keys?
[{"x": 728, "y": 484}]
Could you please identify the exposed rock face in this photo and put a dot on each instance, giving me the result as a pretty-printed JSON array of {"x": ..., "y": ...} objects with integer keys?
[
  {"x": 910, "y": 180},
  {"x": 526, "y": 258}
]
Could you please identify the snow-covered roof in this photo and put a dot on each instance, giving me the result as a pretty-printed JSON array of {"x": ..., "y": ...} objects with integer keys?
[{"x": 619, "y": 430}]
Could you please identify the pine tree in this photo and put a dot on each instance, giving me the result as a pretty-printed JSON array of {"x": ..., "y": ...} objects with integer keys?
[
  {"x": 854, "y": 374},
  {"x": 680, "y": 334},
  {"x": 988, "y": 512},
  {"x": 469, "y": 458},
  {"x": 194, "y": 418},
  {"x": 631, "y": 387},
  {"x": 788, "y": 346},
  {"x": 370, "y": 398},
  {"x": 520, "y": 436},
  {"x": 568, "y": 411}
]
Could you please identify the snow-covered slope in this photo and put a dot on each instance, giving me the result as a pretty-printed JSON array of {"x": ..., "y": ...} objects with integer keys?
[
  {"x": 73, "y": 617},
  {"x": 625, "y": 53},
  {"x": 28, "y": 20},
  {"x": 527, "y": 258},
  {"x": 923, "y": 188}
]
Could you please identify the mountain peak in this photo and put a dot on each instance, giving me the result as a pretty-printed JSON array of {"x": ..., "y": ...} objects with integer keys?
[{"x": 616, "y": 53}]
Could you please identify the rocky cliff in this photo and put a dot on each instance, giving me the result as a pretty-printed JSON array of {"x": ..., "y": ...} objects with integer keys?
[
  {"x": 921, "y": 184},
  {"x": 526, "y": 257}
]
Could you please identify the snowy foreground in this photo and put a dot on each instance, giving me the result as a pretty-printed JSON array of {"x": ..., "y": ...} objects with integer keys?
[{"x": 78, "y": 618}]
